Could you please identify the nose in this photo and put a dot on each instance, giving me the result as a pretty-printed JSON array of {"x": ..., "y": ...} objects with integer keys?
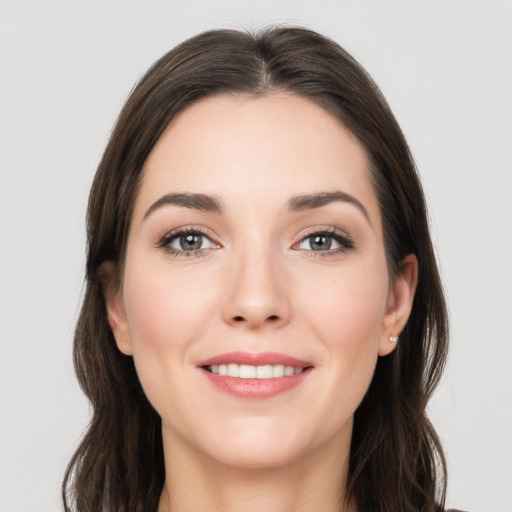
[{"x": 257, "y": 292}]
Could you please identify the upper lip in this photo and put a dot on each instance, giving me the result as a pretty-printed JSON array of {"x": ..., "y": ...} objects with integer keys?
[{"x": 255, "y": 359}]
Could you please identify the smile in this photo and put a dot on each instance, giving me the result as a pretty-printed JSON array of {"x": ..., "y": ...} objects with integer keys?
[
  {"x": 246, "y": 371},
  {"x": 255, "y": 376}
]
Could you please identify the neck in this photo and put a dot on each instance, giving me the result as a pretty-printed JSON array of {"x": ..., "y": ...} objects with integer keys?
[{"x": 315, "y": 482}]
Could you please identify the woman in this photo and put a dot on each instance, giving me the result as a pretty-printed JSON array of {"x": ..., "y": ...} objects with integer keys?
[{"x": 263, "y": 322}]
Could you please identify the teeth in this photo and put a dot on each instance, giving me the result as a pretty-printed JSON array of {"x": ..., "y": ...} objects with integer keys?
[
  {"x": 264, "y": 372},
  {"x": 246, "y": 371},
  {"x": 278, "y": 370},
  {"x": 233, "y": 370}
]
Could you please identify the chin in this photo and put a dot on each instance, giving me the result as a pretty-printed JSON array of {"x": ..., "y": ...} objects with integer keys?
[
  {"x": 264, "y": 444},
  {"x": 251, "y": 443},
  {"x": 258, "y": 457}
]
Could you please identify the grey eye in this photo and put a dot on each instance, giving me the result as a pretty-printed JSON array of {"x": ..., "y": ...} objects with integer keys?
[
  {"x": 319, "y": 242},
  {"x": 191, "y": 242}
]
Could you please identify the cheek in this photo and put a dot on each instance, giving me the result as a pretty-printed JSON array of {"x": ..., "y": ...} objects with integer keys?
[
  {"x": 166, "y": 313},
  {"x": 164, "y": 309},
  {"x": 347, "y": 317},
  {"x": 349, "y": 307}
]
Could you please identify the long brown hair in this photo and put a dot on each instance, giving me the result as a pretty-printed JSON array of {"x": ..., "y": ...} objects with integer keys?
[{"x": 396, "y": 461}]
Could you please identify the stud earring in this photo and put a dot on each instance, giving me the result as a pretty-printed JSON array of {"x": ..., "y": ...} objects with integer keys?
[{"x": 394, "y": 339}]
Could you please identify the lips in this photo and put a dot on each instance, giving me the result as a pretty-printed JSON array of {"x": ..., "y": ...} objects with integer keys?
[
  {"x": 261, "y": 375},
  {"x": 259, "y": 359}
]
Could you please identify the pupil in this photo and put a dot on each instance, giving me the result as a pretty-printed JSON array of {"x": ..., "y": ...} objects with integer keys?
[
  {"x": 191, "y": 242},
  {"x": 320, "y": 242}
]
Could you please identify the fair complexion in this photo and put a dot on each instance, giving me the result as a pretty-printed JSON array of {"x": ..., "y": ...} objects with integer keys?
[{"x": 256, "y": 230}]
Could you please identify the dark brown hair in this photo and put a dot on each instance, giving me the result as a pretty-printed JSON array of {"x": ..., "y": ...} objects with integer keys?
[{"x": 396, "y": 461}]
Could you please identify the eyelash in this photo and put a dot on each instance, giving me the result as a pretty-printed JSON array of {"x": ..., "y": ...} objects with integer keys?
[
  {"x": 343, "y": 239},
  {"x": 168, "y": 238}
]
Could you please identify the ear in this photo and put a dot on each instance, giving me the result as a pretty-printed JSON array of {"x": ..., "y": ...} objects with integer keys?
[
  {"x": 399, "y": 305},
  {"x": 115, "y": 307}
]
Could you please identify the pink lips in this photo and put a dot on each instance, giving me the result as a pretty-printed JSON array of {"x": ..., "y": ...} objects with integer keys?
[
  {"x": 255, "y": 388},
  {"x": 260, "y": 359}
]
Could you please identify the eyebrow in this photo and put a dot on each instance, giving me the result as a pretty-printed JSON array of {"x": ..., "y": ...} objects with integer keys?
[
  {"x": 200, "y": 202},
  {"x": 206, "y": 203},
  {"x": 310, "y": 201}
]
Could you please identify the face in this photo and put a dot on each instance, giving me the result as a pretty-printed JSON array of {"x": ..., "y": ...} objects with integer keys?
[{"x": 255, "y": 298}]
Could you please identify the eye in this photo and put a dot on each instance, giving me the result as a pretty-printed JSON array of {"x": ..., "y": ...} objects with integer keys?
[
  {"x": 190, "y": 242},
  {"x": 319, "y": 242},
  {"x": 187, "y": 242},
  {"x": 326, "y": 242}
]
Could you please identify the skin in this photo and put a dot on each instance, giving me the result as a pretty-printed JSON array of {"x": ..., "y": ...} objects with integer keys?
[{"x": 257, "y": 285}]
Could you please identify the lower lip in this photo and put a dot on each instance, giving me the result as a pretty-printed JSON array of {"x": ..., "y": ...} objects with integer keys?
[{"x": 256, "y": 388}]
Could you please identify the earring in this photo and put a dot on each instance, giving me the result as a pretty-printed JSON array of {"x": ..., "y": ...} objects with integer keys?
[{"x": 394, "y": 339}]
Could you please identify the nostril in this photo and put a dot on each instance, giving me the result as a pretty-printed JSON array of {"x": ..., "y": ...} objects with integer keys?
[{"x": 239, "y": 318}]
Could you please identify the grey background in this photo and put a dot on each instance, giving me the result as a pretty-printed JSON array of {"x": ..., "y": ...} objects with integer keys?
[{"x": 65, "y": 70}]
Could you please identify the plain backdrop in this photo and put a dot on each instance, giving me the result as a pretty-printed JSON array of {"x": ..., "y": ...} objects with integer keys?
[{"x": 65, "y": 70}]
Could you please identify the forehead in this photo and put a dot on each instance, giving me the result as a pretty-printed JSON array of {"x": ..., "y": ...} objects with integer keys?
[{"x": 258, "y": 150}]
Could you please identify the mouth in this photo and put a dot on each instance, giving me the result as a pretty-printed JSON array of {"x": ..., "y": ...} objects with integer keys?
[
  {"x": 247, "y": 371},
  {"x": 248, "y": 375}
]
